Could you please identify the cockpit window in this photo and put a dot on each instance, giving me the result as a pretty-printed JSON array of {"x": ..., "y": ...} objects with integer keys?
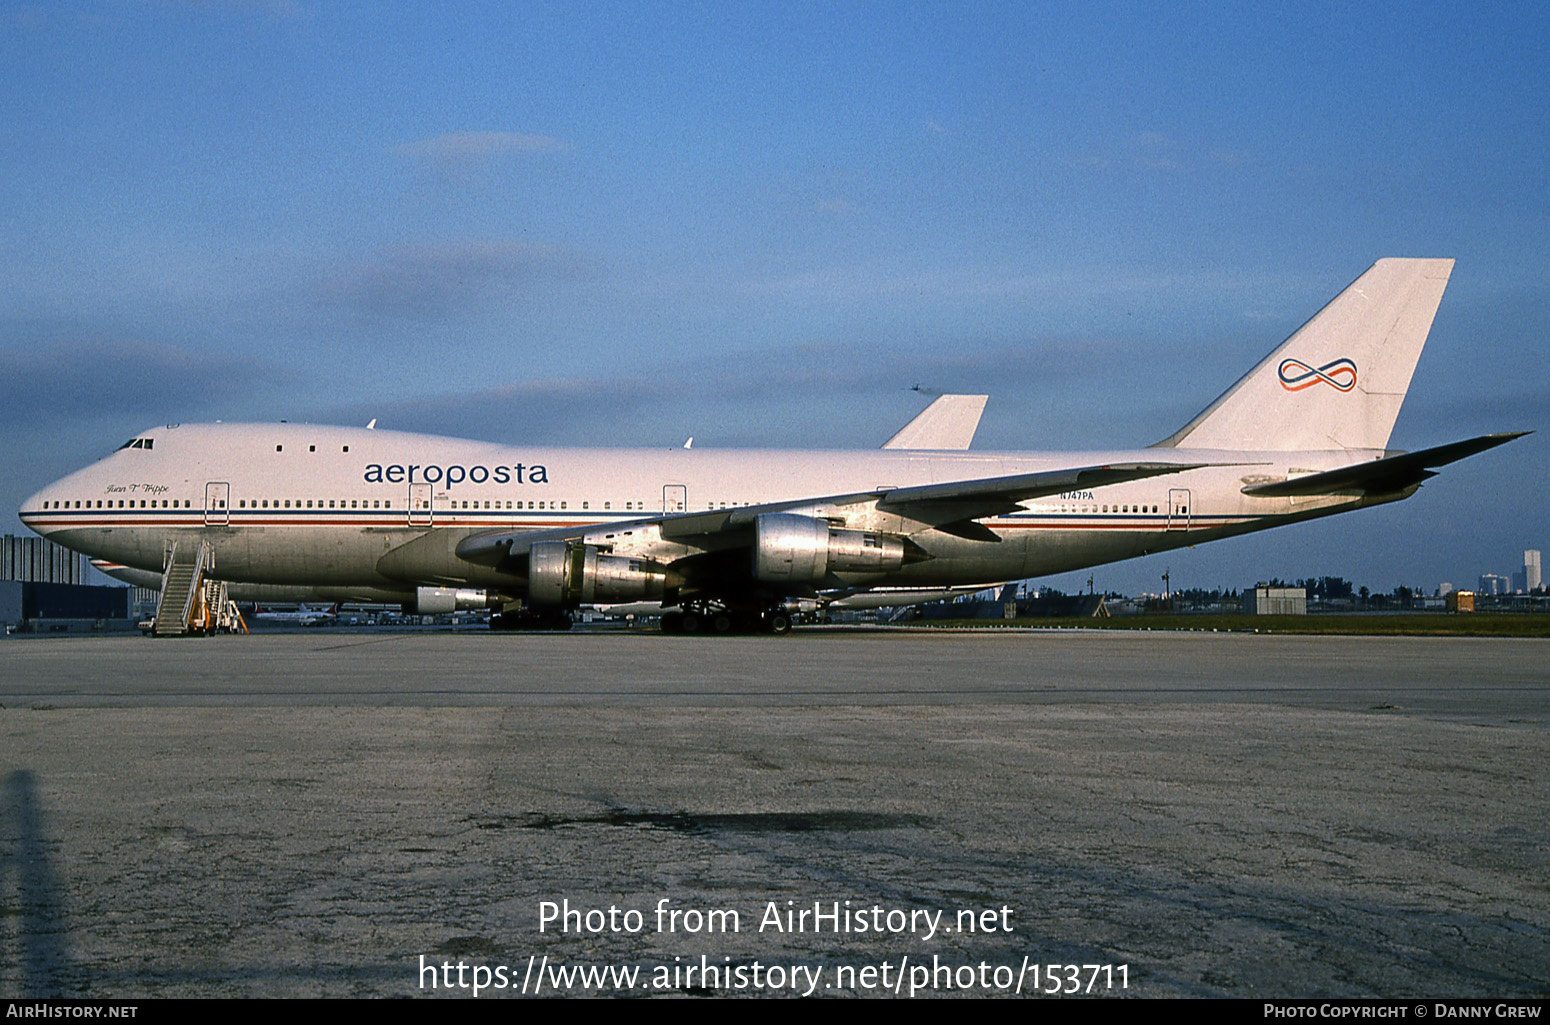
[{"x": 137, "y": 443}]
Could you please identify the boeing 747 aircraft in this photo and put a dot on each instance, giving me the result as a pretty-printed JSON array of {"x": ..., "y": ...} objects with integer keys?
[{"x": 734, "y": 540}]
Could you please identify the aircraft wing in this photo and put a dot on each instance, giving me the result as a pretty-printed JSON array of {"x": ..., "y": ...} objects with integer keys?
[
  {"x": 1382, "y": 476},
  {"x": 952, "y": 506}
]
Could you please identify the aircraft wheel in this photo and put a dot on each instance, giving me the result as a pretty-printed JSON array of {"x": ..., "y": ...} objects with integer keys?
[
  {"x": 723, "y": 623},
  {"x": 692, "y": 622},
  {"x": 560, "y": 621},
  {"x": 778, "y": 623}
]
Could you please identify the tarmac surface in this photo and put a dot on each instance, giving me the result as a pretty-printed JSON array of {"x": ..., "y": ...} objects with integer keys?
[{"x": 343, "y": 813}]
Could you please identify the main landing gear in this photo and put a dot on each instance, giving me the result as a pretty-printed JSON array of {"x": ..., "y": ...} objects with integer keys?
[{"x": 726, "y": 621}]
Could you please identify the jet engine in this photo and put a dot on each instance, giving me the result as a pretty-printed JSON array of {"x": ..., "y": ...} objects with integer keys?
[
  {"x": 569, "y": 573},
  {"x": 799, "y": 549}
]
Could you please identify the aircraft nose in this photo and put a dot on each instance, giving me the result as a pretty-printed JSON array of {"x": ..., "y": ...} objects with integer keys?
[
  {"x": 30, "y": 508},
  {"x": 33, "y": 512}
]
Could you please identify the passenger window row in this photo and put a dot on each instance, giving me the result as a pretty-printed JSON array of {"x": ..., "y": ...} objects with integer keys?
[
  {"x": 123, "y": 503},
  {"x": 455, "y": 505},
  {"x": 297, "y": 503}
]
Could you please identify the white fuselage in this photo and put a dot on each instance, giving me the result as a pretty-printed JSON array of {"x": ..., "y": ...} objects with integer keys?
[{"x": 320, "y": 506}]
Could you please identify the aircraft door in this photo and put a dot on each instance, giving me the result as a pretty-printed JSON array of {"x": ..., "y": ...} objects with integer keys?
[
  {"x": 217, "y": 504},
  {"x": 675, "y": 498},
  {"x": 420, "y": 511},
  {"x": 1178, "y": 509}
]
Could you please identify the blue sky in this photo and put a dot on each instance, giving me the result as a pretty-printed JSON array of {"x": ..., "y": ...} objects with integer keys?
[{"x": 762, "y": 224}]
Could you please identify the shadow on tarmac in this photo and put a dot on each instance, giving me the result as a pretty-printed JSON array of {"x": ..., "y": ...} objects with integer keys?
[{"x": 31, "y": 897}]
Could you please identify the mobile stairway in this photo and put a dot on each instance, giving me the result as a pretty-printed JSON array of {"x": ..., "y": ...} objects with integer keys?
[{"x": 184, "y": 608}]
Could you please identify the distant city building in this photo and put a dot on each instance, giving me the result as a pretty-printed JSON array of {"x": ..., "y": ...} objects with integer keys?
[
  {"x": 1491, "y": 583},
  {"x": 1520, "y": 582},
  {"x": 1444, "y": 589},
  {"x": 1531, "y": 577},
  {"x": 33, "y": 560},
  {"x": 1275, "y": 601}
]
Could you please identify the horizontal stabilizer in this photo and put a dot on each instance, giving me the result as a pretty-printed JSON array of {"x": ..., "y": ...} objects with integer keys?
[{"x": 1381, "y": 476}]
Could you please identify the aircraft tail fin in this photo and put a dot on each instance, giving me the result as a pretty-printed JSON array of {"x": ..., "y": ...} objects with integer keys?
[{"x": 1339, "y": 380}]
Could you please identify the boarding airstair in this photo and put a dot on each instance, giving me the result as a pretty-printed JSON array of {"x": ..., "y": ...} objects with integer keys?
[
  {"x": 223, "y": 615},
  {"x": 182, "y": 609}
]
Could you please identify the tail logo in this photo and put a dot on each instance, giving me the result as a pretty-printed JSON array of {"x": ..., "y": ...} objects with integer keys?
[{"x": 1296, "y": 375}]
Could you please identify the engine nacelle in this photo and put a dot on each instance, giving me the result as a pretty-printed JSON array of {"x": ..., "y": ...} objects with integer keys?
[
  {"x": 569, "y": 573},
  {"x": 799, "y": 549},
  {"x": 433, "y": 601}
]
